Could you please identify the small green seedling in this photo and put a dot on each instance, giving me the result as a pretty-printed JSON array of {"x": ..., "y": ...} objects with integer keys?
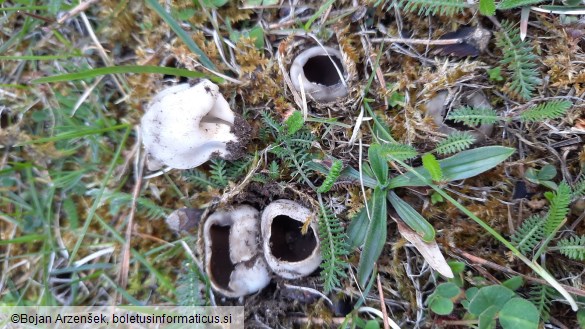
[{"x": 543, "y": 176}]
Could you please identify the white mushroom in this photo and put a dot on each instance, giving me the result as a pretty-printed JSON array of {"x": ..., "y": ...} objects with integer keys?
[
  {"x": 288, "y": 252},
  {"x": 320, "y": 70},
  {"x": 186, "y": 124},
  {"x": 233, "y": 259}
]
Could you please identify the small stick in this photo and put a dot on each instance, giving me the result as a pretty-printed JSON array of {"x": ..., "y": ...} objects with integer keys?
[
  {"x": 382, "y": 304},
  {"x": 79, "y": 8},
  {"x": 425, "y": 42}
]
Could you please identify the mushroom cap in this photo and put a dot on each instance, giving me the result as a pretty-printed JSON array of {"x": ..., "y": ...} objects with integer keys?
[
  {"x": 185, "y": 125},
  {"x": 233, "y": 259},
  {"x": 301, "y": 255},
  {"x": 318, "y": 91}
]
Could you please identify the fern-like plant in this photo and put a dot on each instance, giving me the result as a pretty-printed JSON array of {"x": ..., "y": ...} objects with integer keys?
[
  {"x": 559, "y": 207},
  {"x": 332, "y": 176},
  {"x": 334, "y": 248},
  {"x": 292, "y": 145},
  {"x": 433, "y": 166},
  {"x": 188, "y": 286},
  {"x": 573, "y": 247},
  {"x": 473, "y": 116},
  {"x": 529, "y": 234},
  {"x": 579, "y": 188},
  {"x": 455, "y": 142},
  {"x": 518, "y": 60},
  {"x": 398, "y": 151},
  {"x": 434, "y": 7},
  {"x": 541, "y": 296},
  {"x": 549, "y": 110},
  {"x": 220, "y": 173}
]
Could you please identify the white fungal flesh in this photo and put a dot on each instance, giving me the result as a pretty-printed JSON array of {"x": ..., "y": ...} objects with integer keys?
[
  {"x": 185, "y": 125},
  {"x": 316, "y": 91},
  {"x": 250, "y": 272},
  {"x": 294, "y": 211}
]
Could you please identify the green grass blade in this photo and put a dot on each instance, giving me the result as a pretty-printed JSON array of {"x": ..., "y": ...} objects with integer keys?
[
  {"x": 462, "y": 165},
  {"x": 412, "y": 218},
  {"x": 375, "y": 237},
  {"x": 126, "y": 69},
  {"x": 98, "y": 199},
  {"x": 318, "y": 14},
  {"x": 181, "y": 33},
  {"x": 73, "y": 134}
]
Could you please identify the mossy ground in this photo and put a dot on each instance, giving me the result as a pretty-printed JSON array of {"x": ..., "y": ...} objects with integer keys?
[{"x": 72, "y": 167}]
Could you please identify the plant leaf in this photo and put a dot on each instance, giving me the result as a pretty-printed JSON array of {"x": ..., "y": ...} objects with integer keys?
[
  {"x": 487, "y": 7},
  {"x": 126, "y": 69},
  {"x": 487, "y": 319},
  {"x": 459, "y": 166},
  {"x": 429, "y": 250},
  {"x": 375, "y": 237},
  {"x": 378, "y": 163},
  {"x": 358, "y": 228},
  {"x": 399, "y": 151},
  {"x": 412, "y": 218},
  {"x": 433, "y": 166},
  {"x": 182, "y": 34},
  {"x": 294, "y": 122},
  {"x": 519, "y": 313},
  {"x": 549, "y": 110},
  {"x": 489, "y": 296},
  {"x": 509, "y": 4}
]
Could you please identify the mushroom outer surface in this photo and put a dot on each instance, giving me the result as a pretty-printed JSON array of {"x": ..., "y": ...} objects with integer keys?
[
  {"x": 289, "y": 253},
  {"x": 233, "y": 259},
  {"x": 320, "y": 78},
  {"x": 184, "y": 125}
]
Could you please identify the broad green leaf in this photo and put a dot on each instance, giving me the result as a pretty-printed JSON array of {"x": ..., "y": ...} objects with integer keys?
[
  {"x": 462, "y": 165},
  {"x": 518, "y": 313},
  {"x": 514, "y": 283},
  {"x": 487, "y": 319},
  {"x": 487, "y": 7},
  {"x": 375, "y": 237},
  {"x": 378, "y": 163},
  {"x": 372, "y": 324},
  {"x": 433, "y": 166},
  {"x": 257, "y": 33},
  {"x": 547, "y": 172},
  {"x": 441, "y": 305},
  {"x": 489, "y": 296},
  {"x": 356, "y": 233},
  {"x": 471, "y": 292},
  {"x": 447, "y": 290},
  {"x": 412, "y": 218},
  {"x": 457, "y": 267},
  {"x": 581, "y": 318}
]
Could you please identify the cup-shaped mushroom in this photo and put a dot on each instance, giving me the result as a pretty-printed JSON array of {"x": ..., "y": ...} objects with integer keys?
[
  {"x": 233, "y": 259},
  {"x": 436, "y": 108},
  {"x": 320, "y": 72},
  {"x": 290, "y": 253},
  {"x": 186, "y": 124}
]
